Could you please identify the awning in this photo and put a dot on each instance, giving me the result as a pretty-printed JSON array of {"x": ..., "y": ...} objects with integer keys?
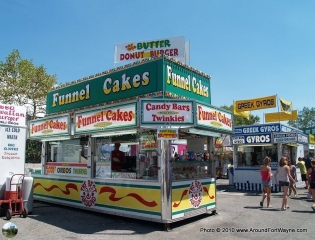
[
  {"x": 292, "y": 144},
  {"x": 54, "y": 139},
  {"x": 203, "y": 132}
]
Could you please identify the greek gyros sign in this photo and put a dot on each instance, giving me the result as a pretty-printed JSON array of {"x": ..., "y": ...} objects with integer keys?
[
  {"x": 284, "y": 137},
  {"x": 251, "y": 139}
]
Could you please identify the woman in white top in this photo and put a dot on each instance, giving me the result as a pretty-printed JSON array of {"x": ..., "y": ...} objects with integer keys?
[{"x": 284, "y": 177}]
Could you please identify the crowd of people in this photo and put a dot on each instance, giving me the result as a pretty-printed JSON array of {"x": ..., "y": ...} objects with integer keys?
[{"x": 286, "y": 177}]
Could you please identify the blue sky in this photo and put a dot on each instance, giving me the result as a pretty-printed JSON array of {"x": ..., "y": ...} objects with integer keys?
[{"x": 250, "y": 48}]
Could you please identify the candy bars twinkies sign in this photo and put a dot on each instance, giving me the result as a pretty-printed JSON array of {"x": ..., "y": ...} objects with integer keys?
[
  {"x": 211, "y": 117},
  {"x": 174, "y": 112},
  {"x": 47, "y": 127},
  {"x": 134, "y": 51},
  {"x": 106, "y": 118}
]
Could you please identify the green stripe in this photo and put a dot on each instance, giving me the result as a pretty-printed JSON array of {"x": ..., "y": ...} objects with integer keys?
[
  {"x": 129, "y": 209},
  {"x": 188, "y": 185},
  {"x": 100, "y": 205},
  {"x": 191, "y": 209},
  {"x": 99, "y": 183}
]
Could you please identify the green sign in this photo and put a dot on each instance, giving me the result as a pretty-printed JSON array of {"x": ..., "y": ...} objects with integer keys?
[
  {"x": 183, "y": 82},
  {"x": 158, "y": 77},
  {"x": 123, "y": 84},
  {"x": 310, "y": 130}
]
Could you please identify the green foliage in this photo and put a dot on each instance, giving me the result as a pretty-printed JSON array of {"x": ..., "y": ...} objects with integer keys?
[
  {"x": 239, "y": 121},
  {"x": 33, "y": 151},
  {"x": 306, "y": 119},
  {"x": 24, "y": 84}
]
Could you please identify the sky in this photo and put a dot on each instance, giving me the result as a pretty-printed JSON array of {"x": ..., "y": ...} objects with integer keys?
[{"x": 250, "y": 48}]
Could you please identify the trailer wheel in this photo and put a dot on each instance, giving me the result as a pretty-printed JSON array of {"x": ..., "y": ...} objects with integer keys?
[
  {"x": 25, "y": 213},
  {"x": 8, "y": 214}
]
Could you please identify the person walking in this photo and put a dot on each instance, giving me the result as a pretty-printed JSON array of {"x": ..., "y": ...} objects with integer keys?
[
  {"x": 301, "y": 165},
  {"x": 311, "y": 172},
  {"x": 294, "y": 176},
  {"x": 284, "y": 177},
  {"x": 265, "y": 172}
]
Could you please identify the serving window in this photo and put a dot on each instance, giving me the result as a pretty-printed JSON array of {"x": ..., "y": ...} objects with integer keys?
[
  {"x": 125, "y": 157},
  {"x": 254, "y": 155},
  {"x": 68, "y": 151}
]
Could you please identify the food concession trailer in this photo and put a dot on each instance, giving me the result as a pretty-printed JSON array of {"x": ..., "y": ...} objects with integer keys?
[{"x": 147, "y": 106}]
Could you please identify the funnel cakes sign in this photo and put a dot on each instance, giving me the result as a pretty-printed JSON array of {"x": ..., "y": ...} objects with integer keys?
[
  {"x": 211, "y": 117},
  {"x": 174, "y": 112},
  {"x": 50, "y": 126},
  {"x": 106, "y": 118}
]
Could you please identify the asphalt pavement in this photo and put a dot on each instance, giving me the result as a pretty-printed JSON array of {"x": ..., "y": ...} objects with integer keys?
[{"x": 239, "y": 216}]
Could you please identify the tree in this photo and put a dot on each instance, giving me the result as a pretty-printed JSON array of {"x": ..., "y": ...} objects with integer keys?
[
  {"x": 24, "y": 84},
  {"x": 306, "y": 119},
  {"x": 238, "y": 120}
]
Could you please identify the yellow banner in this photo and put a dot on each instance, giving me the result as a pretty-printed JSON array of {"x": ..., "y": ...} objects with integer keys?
[
  {"x": 311, "y": 138},
  {"x": 281, "y": 116},
  {"x": 255, "y": 104},
  {"x": 285, "y": 106},
  {"x": 244, "y": 114}
]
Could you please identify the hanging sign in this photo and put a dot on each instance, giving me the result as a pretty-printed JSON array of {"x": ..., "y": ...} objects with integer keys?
[
  {"x": 148, "y": 142},
  {"x": 214, "y": 118},
  {"x": 52, "y": 126},
  {"x": 167, "y": 134},
  {"x": 106, "y": 118},
  {"x": 173, "y": 112},
  {"x": 255, "y": 104}
]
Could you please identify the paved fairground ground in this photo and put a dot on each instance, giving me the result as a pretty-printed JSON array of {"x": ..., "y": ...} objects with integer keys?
[{"x": 238, "y": 216}]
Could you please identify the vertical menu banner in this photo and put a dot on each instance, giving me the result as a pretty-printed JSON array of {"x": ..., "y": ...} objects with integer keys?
[{"x": 13, "y": 140}]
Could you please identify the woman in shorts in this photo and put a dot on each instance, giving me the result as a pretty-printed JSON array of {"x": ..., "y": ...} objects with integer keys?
[
  {"x": 265, "y": 172},
  {"x": 284, "y": 177},
  {"x": 293, "y": 175},
  {"x": 311, "y": 172}
]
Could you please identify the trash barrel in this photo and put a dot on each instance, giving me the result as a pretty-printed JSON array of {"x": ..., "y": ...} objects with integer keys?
[{"x": 28, "y": 193}]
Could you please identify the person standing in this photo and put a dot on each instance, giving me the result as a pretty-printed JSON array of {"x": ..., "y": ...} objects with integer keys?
[
  {"x": 301, "y": 165},
  {"x": 117, "y": 157},
  {"x": 293, "y": 175},
  {"x": 308, "y": 166},
  {"x": 265, "y": 172},
  {"x": 284, "y": 176},
  {"x": 311, "y": 173}
]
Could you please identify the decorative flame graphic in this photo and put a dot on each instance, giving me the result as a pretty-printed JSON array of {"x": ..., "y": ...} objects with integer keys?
[
  {"x": 183, "y": 194},
  {"x": 207, "y": 191},
  {"x": 66, "y": 192},
  {"x": 134, "y": 195},
  {"x": 130, "y": 47}
]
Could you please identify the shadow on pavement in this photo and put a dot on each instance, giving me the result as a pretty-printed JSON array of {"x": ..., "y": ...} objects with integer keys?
[{"x": 89, "y": 222}]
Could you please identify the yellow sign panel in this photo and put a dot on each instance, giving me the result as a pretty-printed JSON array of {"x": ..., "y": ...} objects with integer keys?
[
  {"x": 255, "y": 104},
  {"x": 311, "y": 138},
  {"x": 244, "y": 114},
  {"x": 281, "y": 116}
]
